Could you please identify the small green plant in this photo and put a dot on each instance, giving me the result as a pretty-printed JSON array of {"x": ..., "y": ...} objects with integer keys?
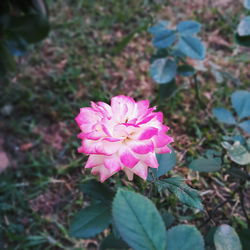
[
  {"x": 135, "y": 222},
  {"x": 174, "y": 46},
  {"x": 175, "y": 51}
]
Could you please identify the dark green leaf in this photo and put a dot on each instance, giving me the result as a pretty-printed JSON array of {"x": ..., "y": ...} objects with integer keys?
[
  {"x": 241, "y": 103},
  {"x": 185, "y": 70},
  {"x": 167, "y": 90},
  {"x": 238, "y": 173},
  {"x": 191, "y": 47},
  {"x": 111, "y": 242},
  {"x": 188, "y": 27},
  {"x": 242, "y": 40},
  {"x": 166, "y": 163},
  {"x": 224, "y": 115},
  {"x": 163, "y": 70},
  {"x": 183, "y": 192},
  {"x": 184, "y": 237},
  {"x": 97, "y": 190},
  {"x": 90, "y": 221},
  {"x": 225, "y": 238},
  {"x": 31, "y": 28},
  {"x": 206, "y": 165},
  {"x": 167, "y": 218},
  {"x": 245, "y": 126},
  {"x": 244, "y": 235},
  {"x": 164, "y": 39},
  {"x": 138, "y": 220},
  {"x": 209, "y": 238},
  {"x": 160, "y": 53}
]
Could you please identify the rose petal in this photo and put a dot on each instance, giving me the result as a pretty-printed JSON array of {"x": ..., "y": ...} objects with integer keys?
[
  {"x": 127, "y": 158},
  {"x": 142, "y": 147}
]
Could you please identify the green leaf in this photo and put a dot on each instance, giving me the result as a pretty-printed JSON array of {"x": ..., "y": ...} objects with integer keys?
[
  {"x": 191, "y": 47},
  {"x": 238, "y": 173},
  {"x": 225, "y": 238},
  {"x": 90, "y": 221},
  {"x": 97, "y": 190},
  {"x": 160, "y": 53},
  {"x": 206, "y": 165},
  {"x": 168, "y": 218},
  {"x": 32, "y": 28},
  {"x": 160, "y": 26},
  {"x": 245, "y": 126},
  {"x": 184, "y": 237},
  {"x": 183, "y": 192},
  {"x": 167, "y": 90},
  {"x": 209, "y": 238},
  {"x": 242, "y": 40},
  {"x": 163, "y": 70},
  {"x": 138, "y": 220},
  {"x": 241, "y": 103},
  {"x": 188, "y": 27},
  {"x": 164, "y": 39},
  {"x": 166, "y": 163},
  {"x": 247, "y": 4},
  {"x": 112, "y": 242},
  {"x": 244, "y": 27},
  {"x": 185, "y": 70},
  {"x": 244, "y": 235},
  {"x": 223, "y": 115},
  {"x": 237, "y": 153}
]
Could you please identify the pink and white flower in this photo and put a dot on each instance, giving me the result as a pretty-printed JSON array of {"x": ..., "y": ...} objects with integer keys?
[{"x": 125, "y": 135}]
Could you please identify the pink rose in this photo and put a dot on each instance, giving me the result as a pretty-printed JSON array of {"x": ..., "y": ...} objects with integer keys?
[{"x": 125, "y": 135}]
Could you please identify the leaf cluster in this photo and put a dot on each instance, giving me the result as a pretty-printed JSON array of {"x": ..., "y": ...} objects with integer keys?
[{"x": 174, "y": 47}]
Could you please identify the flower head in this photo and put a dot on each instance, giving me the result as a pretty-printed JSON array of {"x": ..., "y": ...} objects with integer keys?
[{"x": 125, "y": 135}]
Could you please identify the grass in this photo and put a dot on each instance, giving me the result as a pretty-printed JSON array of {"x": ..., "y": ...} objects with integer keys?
[{"x": 87, "y": 57}]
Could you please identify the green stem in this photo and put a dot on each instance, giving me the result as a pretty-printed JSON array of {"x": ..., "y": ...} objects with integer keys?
[{"x": 197, "y": 92}]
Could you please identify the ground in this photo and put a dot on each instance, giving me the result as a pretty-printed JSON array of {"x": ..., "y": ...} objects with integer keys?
[{"x": 95, "y": 50}]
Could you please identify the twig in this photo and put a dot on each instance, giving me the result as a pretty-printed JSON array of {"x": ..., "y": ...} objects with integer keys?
[{"x": 210, "y": 214}]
